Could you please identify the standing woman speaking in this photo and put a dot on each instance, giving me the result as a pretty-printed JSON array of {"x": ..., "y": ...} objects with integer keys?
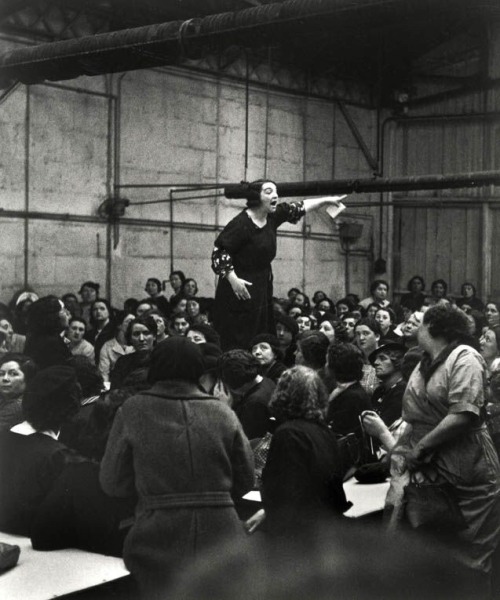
[{"x": 242, "y": 258}]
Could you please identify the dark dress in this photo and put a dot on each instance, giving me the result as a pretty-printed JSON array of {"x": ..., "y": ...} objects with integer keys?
[
  {"x": 474, "y": 303},
  {"x": 248, "y": 249},
  {"x": 301, "y": 481}
]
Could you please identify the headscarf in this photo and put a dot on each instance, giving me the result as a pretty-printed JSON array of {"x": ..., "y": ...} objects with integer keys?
[{"x": 176, "y": 358}]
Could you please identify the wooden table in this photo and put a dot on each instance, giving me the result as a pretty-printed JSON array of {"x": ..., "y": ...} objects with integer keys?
[
  {"x": 367, "y": 498},
  {"x": 42, "y": 575}
]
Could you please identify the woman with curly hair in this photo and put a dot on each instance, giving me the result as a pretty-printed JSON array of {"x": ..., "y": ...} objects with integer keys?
[
  {"x": 301, "y": 481},
  {"x": 242, "y": 259}
]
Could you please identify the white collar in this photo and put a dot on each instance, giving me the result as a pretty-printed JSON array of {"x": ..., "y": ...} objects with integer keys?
[{"x": 26, "y": 428}]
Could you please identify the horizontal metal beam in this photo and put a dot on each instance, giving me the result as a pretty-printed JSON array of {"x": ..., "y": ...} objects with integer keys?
[
  {"x": 363, "y": 186},
  {"x": 153, "y": 223}
]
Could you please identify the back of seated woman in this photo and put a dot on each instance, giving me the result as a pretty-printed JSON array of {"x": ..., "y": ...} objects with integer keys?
[
  {"x": 31, "y": 457},
  {"x": 301, "y": 481}
]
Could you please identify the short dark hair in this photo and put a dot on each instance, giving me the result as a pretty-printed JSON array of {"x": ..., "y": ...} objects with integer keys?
[
  {"x": 414, "y": 278},
  {"x": 253, "y": 190},
  {"x": 156, "y": 281},
  {"x": 180, "y": 315},
  {"x": 442, "y": 282},
  {"x": 332, "y": 308},
  {"x": 238, "y": 367},
  {"x": 370, "y": 323},
  {"x": 91, "y": 284},
  {"x": 108, "y": 306},
  {"x": 315, "y": 296},
  {"x": 349, "y": 315},
  {"x": 26, "y": 364},
  {"x": 374, "y": 285},
  {"x": 180, "y": 274},
  {"x": 51, "y": 398},
  {"x": 187, "y": 281},
  {"x": 346, "y": 362},
  {"x": 314, "y": 346},
  {"x": 78, "y": 320},
  {"x": 446, "y": 322},
  {"x": 348, "y": 302},
  {"x": 176, "y": 300},
  {"x": 146, "y": 320},
  {"x": 471, "y": 285},
  {"x": 390, "y": 312}
]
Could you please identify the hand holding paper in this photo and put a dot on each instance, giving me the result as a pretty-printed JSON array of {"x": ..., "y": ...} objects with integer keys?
[{"x": 335, "y": 210}]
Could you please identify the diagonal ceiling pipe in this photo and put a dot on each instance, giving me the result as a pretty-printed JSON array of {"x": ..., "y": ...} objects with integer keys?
[{"x": 162, "y": 44}]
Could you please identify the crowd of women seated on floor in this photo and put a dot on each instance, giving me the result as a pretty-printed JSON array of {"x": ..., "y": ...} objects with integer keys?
[{"x": 131, "y": 432}]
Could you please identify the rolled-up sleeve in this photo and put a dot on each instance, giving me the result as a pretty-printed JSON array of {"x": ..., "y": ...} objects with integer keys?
[{"x": 466, "y": 384}]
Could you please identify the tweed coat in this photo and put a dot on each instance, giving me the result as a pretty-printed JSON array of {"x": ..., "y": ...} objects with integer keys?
[{"x": 185, "y": 455}]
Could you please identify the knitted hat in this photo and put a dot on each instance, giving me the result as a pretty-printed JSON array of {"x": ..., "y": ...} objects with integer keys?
[
  {"x": 288, "y": 322},
  {"x": 266, "y": 338}
]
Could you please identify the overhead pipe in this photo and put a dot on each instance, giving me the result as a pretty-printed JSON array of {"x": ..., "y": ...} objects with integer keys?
[
  {"x": 163, "y": 44},
  {"x": 359, "y": 186}
]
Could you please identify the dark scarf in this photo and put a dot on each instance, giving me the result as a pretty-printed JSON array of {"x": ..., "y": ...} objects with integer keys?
[{"x": 429, "y": 366}]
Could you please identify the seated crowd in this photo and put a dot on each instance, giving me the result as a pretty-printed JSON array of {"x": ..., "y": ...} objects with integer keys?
[{"x": 131, "y": 432}]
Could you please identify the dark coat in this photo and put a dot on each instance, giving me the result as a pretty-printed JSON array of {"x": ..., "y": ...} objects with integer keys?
[
  {"x": 76, "y": 513},
  {"x": 252, "y": 409},
  {"x": 301, "y": 481},
  {"x": 47, "y": 350},
  {"x": 388, "y": 404},
  {"x": 185, "y": 455},
  {"x": 131, "y": 372},
  {"x": 29, "y": 467},
  {"x": 98, "y": 340},
  {"x": 274, "y": 371},
  {"x": 344, "y": 410}
]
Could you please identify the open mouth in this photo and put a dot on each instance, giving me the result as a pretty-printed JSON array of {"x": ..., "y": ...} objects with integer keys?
[{"x": 274, "y": 203}]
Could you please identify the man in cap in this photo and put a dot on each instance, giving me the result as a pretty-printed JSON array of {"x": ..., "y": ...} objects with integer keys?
[{"x": 388, "y": 396}]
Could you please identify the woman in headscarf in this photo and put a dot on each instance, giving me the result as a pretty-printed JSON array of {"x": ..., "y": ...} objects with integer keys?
[{"x": 185, "y": 456}]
